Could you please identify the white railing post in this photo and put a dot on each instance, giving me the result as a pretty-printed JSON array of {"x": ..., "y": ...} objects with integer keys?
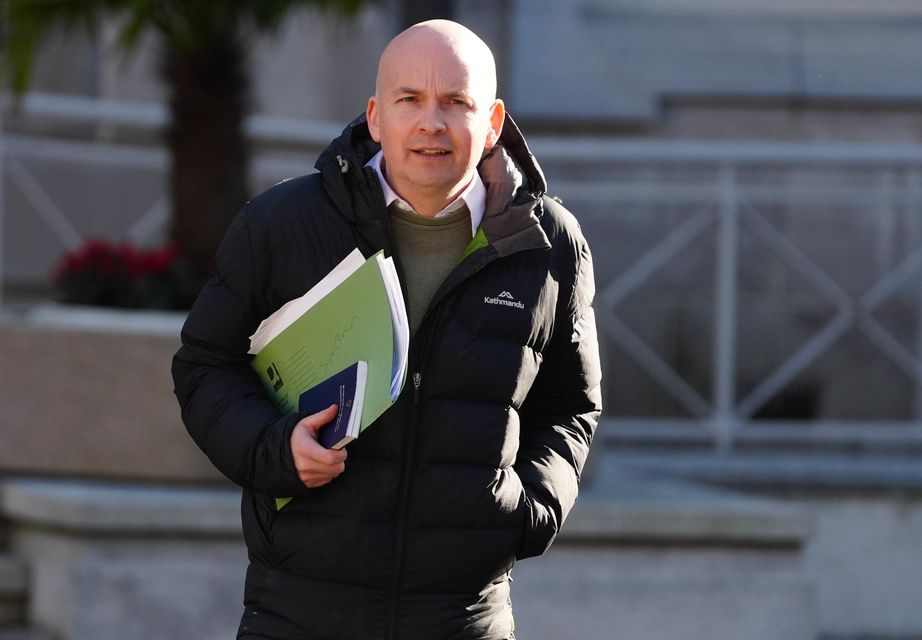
[
  {"x": 913, "y": 213},
  {"x": 725, "y": 309},
  {"x": 886, "y": 222}
]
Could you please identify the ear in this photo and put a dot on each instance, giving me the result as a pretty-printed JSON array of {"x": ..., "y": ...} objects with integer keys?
[
  {"x": 371, "y": 114},
  {"x": 497, "y": 117}
]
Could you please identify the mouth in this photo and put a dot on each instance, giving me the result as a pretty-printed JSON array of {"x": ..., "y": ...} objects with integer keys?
[{"x": 431, "y": 152}]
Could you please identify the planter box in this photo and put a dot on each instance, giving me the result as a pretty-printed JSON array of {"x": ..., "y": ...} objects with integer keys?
[{"x": 87, "y": 392}]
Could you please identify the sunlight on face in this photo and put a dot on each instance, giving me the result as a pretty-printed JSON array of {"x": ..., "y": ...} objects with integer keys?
[{"x": 434, "y": 112}]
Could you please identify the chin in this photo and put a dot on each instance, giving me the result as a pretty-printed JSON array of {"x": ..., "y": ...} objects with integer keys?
[{"x": 436, "y": 183}]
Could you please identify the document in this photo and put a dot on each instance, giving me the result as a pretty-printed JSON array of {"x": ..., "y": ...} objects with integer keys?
[{"x": 355, "y": 313}]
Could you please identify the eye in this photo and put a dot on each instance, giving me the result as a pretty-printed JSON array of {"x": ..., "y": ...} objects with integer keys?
[{"x": 407, "y": 99}]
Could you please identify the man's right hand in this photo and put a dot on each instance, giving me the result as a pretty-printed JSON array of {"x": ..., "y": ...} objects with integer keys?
[{"x": 315, "y": 464}]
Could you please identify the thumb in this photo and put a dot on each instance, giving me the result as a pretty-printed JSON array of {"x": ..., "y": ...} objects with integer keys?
[{"x": 314, "y": 421}]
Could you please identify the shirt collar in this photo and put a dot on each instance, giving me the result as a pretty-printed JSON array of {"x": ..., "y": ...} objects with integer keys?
[{"x": 474, "y": 195}]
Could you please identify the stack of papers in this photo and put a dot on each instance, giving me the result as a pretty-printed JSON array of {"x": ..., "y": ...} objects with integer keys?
[{"x": 355, "y": 314}]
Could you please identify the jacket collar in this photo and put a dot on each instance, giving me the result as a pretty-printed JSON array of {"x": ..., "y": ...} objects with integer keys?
[{"x": 513, "y": 179}]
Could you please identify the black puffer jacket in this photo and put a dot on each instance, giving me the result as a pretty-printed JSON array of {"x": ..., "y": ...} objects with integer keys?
[{"x": 477, "y": 463}]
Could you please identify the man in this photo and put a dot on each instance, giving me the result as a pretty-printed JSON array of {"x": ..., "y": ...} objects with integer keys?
[{"x": 414, "y": 532}]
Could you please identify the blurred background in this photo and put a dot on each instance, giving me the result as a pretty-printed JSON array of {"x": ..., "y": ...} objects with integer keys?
[{"x": 749, "y": 176}]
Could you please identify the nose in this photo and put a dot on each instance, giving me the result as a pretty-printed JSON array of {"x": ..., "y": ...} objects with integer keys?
[{"x": 432, "y": 120}]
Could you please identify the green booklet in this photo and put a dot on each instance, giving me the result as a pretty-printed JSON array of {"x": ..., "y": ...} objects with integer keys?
[{"x": 354, "y": 314}]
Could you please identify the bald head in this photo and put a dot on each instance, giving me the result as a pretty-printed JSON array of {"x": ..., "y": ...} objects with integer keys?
[
  {"x": 434, "y": 112},
  {"x": 449, "y": 41}
]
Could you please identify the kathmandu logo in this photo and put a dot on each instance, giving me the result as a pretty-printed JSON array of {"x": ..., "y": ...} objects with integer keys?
[{"x": 505, "y": 299}]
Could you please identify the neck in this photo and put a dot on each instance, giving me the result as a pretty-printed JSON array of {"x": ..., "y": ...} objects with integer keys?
[{"x": 426, "y": 204}]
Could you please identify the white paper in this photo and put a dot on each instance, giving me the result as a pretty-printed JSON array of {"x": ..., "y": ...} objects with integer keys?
[
  {"x": 399, "y": 321},
  {"x": 294, "y": 309}
]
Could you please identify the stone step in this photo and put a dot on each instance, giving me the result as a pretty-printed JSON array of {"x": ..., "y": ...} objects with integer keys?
[
  {"x": 811, "y": 470},
  {"x": 25, "y": 633},
  {"x": 646, "y": 558},
  {"x": 13, "y": 588}
]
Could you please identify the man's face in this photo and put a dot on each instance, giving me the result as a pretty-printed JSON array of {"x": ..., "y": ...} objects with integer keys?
[{"x": 433, "y": 120}]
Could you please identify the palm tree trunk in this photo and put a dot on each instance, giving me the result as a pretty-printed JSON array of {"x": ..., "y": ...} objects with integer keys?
[{"x": 208, "y": 148}]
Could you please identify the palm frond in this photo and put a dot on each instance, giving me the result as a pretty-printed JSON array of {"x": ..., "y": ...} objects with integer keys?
[
  {"x": 28, "y": 22},
  {"x": 184, "y": 25}
]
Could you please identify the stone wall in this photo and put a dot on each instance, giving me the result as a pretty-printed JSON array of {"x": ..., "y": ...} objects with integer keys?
[
  {"x": 865, "y": 558},
  {"x": 94, "y": 401},
  {"x": 113, "y": 561}
]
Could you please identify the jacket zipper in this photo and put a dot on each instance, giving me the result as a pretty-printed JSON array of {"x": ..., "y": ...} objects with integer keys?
[
  {"x": 408, "y": 458},
  {"x": 409, "y": 462},
  {"x": 406, "y": 480},
  {"x": 417, "y": 379},
  {"x": 408, "y": 450}
]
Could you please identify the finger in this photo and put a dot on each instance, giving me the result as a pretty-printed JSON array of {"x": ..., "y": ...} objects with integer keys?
[
  {"x": 313, "y": 468},
  {"x": 306, "y": 446},
  {"x": 314, "y": 421},
  {"x": 304, "y": 442},
  {"x": 329, "y": 456},
  {"x": 328, "y": 472},
  {"x": 309, "y": 455},
  {"x": 315, "y": 477}
]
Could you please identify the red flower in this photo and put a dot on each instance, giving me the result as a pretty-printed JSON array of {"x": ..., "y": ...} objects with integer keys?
[
  {"x": 104, "y": 273},
  {"x": 160, "y": 261}
]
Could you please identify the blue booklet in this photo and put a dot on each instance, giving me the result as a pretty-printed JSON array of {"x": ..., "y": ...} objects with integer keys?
[{"x": 346, "y": 390}]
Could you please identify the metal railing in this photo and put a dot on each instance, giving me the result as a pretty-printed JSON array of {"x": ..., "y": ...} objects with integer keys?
[
  {"x": 137, "y": 221},
  {"x": 721, "y": 207}
]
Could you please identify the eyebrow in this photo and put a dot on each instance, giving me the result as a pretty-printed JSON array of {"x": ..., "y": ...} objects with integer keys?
[{"x": 450, "y": 94}]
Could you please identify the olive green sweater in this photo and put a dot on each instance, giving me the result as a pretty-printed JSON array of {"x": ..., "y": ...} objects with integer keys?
[{"x": 429, "y": 248}]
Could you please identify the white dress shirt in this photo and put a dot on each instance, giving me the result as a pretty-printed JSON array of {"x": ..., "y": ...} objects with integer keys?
[{"x": 474, "y": 195}]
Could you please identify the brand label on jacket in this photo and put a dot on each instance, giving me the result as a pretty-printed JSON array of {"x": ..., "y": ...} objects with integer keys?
[{"x": 505, "y": 299}]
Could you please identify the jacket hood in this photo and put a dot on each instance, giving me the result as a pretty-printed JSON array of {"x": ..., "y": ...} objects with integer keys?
[
  {"x": 513, "y": 179},
  {"x": 354, "y": 147}
]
